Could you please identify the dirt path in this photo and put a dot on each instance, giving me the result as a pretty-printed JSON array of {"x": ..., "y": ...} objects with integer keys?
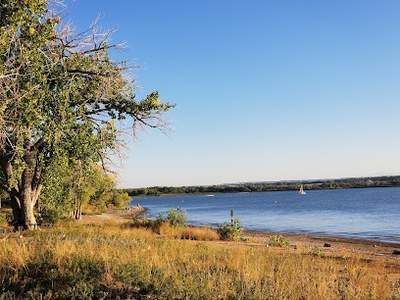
[{"x": 119, "y": 216}]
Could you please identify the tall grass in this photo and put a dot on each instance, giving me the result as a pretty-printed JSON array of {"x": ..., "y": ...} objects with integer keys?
[
  {"x": 189, "y": 233},
  {"x": 107, "y": 261}
]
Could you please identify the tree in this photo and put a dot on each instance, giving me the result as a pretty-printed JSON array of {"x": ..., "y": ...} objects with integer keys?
[
  {"x": 59, "y": 96},
  {"x": 57, "y": 197},
  {"x": 68, "y": 191}
]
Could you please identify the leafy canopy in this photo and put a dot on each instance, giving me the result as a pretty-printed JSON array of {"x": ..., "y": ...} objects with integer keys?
[{"x": 60, "y": 92}]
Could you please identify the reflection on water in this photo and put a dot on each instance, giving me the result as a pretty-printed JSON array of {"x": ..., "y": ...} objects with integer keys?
[{"x": 361, "y": 213}]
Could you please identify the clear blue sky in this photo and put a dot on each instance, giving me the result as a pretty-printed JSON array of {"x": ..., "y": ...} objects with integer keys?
[{"x": 265, "y": 90}]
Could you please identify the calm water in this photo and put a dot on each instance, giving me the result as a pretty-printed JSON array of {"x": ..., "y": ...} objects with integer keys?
[{"x": 372, "y": 213}]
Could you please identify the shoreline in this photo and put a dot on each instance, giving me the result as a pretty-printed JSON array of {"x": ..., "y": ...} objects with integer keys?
[
  {"x": 337, "y": 243},
  {"x": 322, "y": 245},
  {"x": 324, "y": 236},
  {"x": 327, "y": 236},
  {"x": 361, "y": 245},
  {"x": 334, "y": 238}
]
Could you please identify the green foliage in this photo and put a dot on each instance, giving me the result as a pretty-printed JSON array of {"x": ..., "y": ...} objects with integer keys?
[
  {"x": 99, "y": 191},
  {"x": 5, "y": 217},
  {"x": 60, "y": 93},
  {"x": 230, "y": 232},
  {"x": 56, "y": 199},
  {"x": 161, "y": 218},
  {"x": 176, "y": 217},
  {"x": 278, "y": 240},
  {"x": 144, "y": 222},
  {"x": 4, "y": 198},
  {"x": 95, "y": 192},
  {"x": 120, "y": 199},
  {"x": 103, "y": 194}
]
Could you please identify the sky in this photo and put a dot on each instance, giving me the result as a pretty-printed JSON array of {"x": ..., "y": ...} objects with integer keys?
[{"x": 265, "y": 90}]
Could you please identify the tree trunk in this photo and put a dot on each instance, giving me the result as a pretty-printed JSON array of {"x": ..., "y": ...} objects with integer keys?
[
  {"x": 17, "y": 221},
  {"x": 25, "y": 192},
  {"x": 23, "y": 197},
  {"x": 78, "y": 214},
  {"x": 77, "y": 190},
  {"x": 22, "y": 204},
  {"x": 27, "y": 211}
]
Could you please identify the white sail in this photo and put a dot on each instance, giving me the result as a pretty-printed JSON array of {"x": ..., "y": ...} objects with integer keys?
[{"x": 301, "y": 191}]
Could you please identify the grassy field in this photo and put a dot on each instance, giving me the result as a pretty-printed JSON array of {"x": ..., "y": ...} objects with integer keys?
[{"x": 111, "y": 260}]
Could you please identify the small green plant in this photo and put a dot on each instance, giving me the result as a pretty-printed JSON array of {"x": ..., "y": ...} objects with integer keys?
[
  {"x": 144, "y": 222},
  {"x": 176, "y": 217},
  {"x": 230, "y": 232},
  {"x": 5, "y": 217},
  {"x": 161, "y": 218},
  {"x": 316, "y": 251},
  {"x": 278, "y": 240}
]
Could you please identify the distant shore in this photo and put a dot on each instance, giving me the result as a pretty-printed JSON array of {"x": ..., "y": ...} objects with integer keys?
[{"x": 292, "y": 185}]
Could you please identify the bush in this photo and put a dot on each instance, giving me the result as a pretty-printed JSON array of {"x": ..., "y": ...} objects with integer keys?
[
  {"x": 161, "y": 218},
  {"x": 278, "y": 240},
  {"x": 5, "y": 217},
  {"x": 176, "y": 217},
  {"x": 230, "y": 232},
  {"x": 51, "y": 215},
  {"x": 153, "y": 225},
  {"x": 119, "y": 199}
]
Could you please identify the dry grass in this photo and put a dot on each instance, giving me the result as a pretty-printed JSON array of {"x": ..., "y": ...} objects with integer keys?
[
  {"x": 189, "y": 233},
  {"x": 106, "y": 261}
]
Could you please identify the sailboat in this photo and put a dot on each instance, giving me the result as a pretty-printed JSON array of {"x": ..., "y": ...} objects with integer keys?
[{"x": 301, "y": 191}]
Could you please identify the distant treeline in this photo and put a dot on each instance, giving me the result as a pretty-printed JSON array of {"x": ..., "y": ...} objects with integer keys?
[{"x": 383, "y": 181}]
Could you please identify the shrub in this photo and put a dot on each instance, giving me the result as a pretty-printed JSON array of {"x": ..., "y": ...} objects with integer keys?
[
  {"x": 161, "y": 218},
  {"x": 5, "y": 217},
  {"x": 176, "y": 217},
  {"x": 316, "y": 251},
  {"x": 120, "y": 199},
  {"x": 153, "y": 225},
  {"x": 278, "y": 240},
  {"x": 230, "y": 232},
  {"x": 51, "y": 215}
]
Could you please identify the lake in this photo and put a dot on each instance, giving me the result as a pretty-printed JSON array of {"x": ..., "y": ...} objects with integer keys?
[{"x": 369, "y": 213}]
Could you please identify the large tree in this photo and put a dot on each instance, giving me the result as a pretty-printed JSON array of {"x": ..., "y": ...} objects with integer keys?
[{"x": 59, "y": 96}]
